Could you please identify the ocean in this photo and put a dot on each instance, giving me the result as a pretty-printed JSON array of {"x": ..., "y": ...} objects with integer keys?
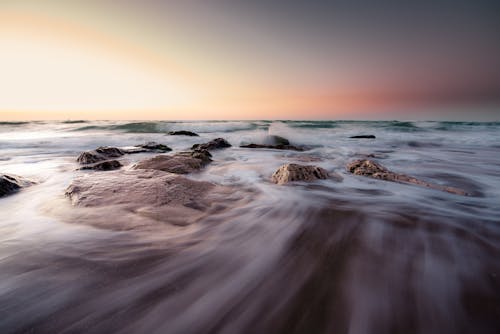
[{"x": 346, "y": 255}]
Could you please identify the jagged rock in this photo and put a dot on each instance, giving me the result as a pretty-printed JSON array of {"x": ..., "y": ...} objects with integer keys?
[
  {"x": 180, "y": 163},
  {"x": 183, "y": 133},
  {"x": 364, "y": 137},
  {"x": 217, "y": 143},
  {"x": 294, "y": 172},
  {"x": 275, "y": 147},
  {"x": 372, "y": 169},
  {"x": 153, "y": 146},
  {"x": 12, "y": 183},
  {"x": 110, "y": 152},
  {"x": 99, "y": 154},
  {"x": 139, "y": 199},
  {"x": 104, "y": 166}
]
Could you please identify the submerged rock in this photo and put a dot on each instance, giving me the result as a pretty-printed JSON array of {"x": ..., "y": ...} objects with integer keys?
[
  {"x": 363, "y": 137},
  {"x": 12, "y": 183},
  {"x": 103, "y": 166},
  {"x": 183, "y": 133},
  {"x": 180, "y": 163},
  {"x": 294, "y": 172},
  {"x": 215, "y": 144},
  {"x": 372, "y": 169},
  {"x": 138, "y": 199},
  {"x": 275, "y": 147},
  {"x": 99, "y": 154}
]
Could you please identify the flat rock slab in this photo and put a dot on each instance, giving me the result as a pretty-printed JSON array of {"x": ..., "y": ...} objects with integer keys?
[
  {"x": 374, "y": 170},
  {"x": 275, "y": 147},
  {"x": 180, "y": 163},
  {"x": 130, "y": 199},
  {"x": 9, "y": 184},
  {"x": 295, "y": 172}
]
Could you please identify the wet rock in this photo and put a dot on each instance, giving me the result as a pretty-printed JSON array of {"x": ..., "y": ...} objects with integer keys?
[
  {"x": 276, "y": 140},
  {"x": 153, "y": 146},
  {"x": 215, "y": 144},
  {"x": 363, "y": 137},
  {"x": 99, "y": 154},
  {"x": 12, "y": 183},
  {"x": 294, "y": 172},
  {"x": 139, "y": 199},
  {"x": 183, "y": 133},
  {"x": 104, "y": 166},
  {"x": 275, "y": 147},
  {"x": 180, "y": 163},
  {"x": 372, "y": 169}
]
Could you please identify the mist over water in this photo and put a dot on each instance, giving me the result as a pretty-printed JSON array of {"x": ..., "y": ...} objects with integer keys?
[{"x": 356, "y": 256}]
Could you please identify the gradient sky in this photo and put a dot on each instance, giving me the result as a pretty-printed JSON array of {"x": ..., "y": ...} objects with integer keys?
[{"x": 254, "y": 59}]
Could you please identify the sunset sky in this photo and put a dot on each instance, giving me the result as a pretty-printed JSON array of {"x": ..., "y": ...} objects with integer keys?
[{"x": 254, "y": 59}]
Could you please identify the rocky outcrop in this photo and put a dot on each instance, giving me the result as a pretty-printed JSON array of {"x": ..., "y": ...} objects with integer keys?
[
  {"x": 154, "y": 146},
  {"x": 275, "y": 140},
  {"x": 183, "y": 133},
  {"x": 103, "y": 166},
  {"x": 12, "y": 183},
  {"x": 99, "y": 154},
  {"x": 215, "y": 144},
  {"x": 294, "y": 172},
  {"x": 139, "y": 199},
  {"x": 104, "y": 153},
  {"x": 180, "y": 163},
  {"x": 275, "y": 147},
  {"x": 374, "y": 170},
  {"x": 363, "y": 137}
]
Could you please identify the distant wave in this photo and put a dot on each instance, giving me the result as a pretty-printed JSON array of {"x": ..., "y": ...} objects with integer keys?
[
  {"x": 163, "y": 127},
  {"x": 74, "y": 122},
  {"x": 13, "y": 123}
]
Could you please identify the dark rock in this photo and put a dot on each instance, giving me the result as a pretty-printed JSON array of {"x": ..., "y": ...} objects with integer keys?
[
  {"x": 294, "y": 172},
  {"x": 90, "y": 157},
  {"x": 180, "y": 163},
  {"x": 364, "y": 137},
  {"x": 12, "y": 183},
  {"x": 215, "y": 144},
  {"x": 104, "y": 166},
  {"x": 276, "y": 147},
  {"x": 100, "y": 154},
  {"x": 275, "y": 140},
  {"x": 109, "y": 152},
  {"x": 372, "y": 169},
  {"x": 153, "y": 146},
  {"x": 183, "y": 133}
]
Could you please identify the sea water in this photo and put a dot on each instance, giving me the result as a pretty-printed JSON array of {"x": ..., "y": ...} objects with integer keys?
[{"x": 356, "y": 256}]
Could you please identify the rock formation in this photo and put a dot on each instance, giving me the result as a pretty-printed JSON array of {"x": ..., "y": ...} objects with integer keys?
[
  {"x": 12, "y": 183},
  {"x": 215, "y": 144},
  {"x": 372, "y": 169},
  {"x": 294, "y": 172},
  {"x": 180, "y": 163},
  {"x": 183, "y": 133}
]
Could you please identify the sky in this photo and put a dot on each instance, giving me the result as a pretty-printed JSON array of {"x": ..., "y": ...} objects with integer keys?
[{"x": 236, "y": 59}]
